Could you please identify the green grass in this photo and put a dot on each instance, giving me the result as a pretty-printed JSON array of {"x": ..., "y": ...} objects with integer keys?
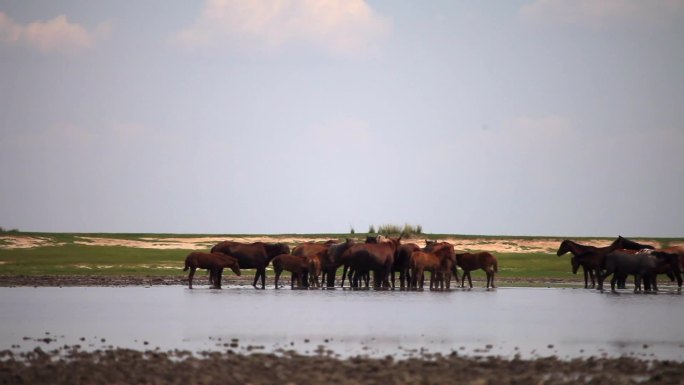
[{"x": 70, "y": 258}]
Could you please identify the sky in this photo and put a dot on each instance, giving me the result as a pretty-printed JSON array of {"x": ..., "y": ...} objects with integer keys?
[{"x": 530, "y": 117}]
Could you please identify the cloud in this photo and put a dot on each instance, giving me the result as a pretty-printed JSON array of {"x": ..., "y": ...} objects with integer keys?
[
  {"x": 340, "y": 27},
  {"x": 54, "y": 35},
  {"x": 596, "y": 13}
]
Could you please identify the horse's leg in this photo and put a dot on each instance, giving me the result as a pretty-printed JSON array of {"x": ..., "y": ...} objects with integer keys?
[
  {"x": 277, "y": 277},
  {"x": 217, "y": 277},
  {"x": 493, "y": 275},
  {"x": 263, "y": 278},
  {"x": 256, "y": 278},
  {"x": 463, "y": 278},
  {"x": 344, "y": 274},
  {"x": 190, "y": 275},
  {"x": 637, "y": 283},
  {"x": 470, "y": 280},
  {"x": 601, "y": 277}
]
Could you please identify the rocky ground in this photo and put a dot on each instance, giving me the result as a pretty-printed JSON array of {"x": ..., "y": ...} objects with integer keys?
[{"x": 121, "y": 366}]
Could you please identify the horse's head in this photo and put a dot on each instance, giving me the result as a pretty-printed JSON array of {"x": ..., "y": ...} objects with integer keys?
[
  {"x": 429, "y": 245},
  {"x": 337, "y": 258},
  {"x": 575, "y": 265},
  {"x": 396, "y": 242},
  {"x": 372, "y": 239},
  {"x": 338, "y": 249},
  {"x": 565, "y": 246},
  {"x": 671, "y": 259},
  {"x": 273, "y": 249},
  {"x": 234, "y": 266}
]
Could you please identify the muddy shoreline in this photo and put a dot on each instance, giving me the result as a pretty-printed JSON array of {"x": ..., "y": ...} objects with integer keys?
[{"x": 124, "y": 366}]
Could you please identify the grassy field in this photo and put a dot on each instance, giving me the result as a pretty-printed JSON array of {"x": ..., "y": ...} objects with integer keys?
[{"x": 64, "y": 254}]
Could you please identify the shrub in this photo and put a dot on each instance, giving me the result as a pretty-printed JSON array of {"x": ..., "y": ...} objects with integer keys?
[
  {"x": 371, "y": 229},
  {"x": 391, "y": 229}
]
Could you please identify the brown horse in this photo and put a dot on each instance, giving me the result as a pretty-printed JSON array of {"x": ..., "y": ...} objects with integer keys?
[
  {"x": 296, "y": 265},
  {"x": 439, "y": 261},
  {"x": 253, "y": 255},
  {"x": 484, "y": 261},
  {"x": 214, "y": 262}
]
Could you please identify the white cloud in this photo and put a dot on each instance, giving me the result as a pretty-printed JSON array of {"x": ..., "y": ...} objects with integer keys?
[
  {"x": 54, "y": 35},
  {"x": 341, "y": 27},
  {"x": 601, "y": 12}
]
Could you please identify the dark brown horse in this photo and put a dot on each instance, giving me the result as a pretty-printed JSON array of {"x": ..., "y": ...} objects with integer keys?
[
  {"x": 367, "y": 257},
  {"x": 643, "y": 265},
  {"x": 402, "y": 264},
  {"x": 296, "y": 265},
  {"x": 484, "y": 261},
  {"x": 328, "y": 268},
  {"x": 214, "y": 262},
  {"x": 253, "y": 255},
  {"x": 672, "y": 268}
]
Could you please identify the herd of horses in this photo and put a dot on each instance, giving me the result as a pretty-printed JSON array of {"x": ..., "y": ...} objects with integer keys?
[
  {"x": 315, "y": 264},
  {"x": 624, "y": 258}
]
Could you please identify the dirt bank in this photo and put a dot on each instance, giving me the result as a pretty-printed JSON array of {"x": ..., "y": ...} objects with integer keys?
[
  {"x": 121, "y": 366},
  {"x": 201, "y": 281}
]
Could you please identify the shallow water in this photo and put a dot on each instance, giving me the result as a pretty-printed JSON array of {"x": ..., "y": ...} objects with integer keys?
[{"x": 507, "y": 321}]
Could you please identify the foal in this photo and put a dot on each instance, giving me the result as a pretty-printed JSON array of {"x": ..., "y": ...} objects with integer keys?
[
  {"x": 484, "y": 261},
  {"x": 214, "y": 262}
]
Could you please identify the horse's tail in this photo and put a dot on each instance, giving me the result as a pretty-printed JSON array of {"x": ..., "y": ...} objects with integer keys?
[{"x": 187, "y": 263}]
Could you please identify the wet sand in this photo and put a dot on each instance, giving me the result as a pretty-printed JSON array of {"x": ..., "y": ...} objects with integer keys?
[{"x": 121, "y": 366}]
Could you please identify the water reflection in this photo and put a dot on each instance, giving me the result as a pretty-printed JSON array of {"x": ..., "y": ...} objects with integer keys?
[{"x": 506, "y": 321}]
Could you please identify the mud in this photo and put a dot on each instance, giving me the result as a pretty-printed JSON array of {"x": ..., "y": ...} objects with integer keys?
[{"x": 122, "y": 366}]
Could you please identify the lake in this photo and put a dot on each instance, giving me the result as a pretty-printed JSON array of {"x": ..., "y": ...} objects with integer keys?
[{"x": 507, "y": 321}]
